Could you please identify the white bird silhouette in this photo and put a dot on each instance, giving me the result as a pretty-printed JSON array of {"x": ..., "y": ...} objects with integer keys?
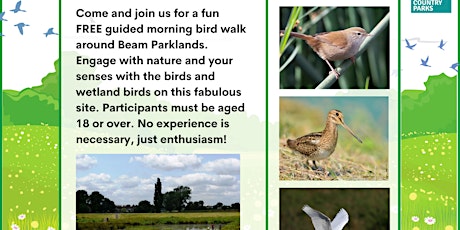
[{"x": 322, "y": 222}]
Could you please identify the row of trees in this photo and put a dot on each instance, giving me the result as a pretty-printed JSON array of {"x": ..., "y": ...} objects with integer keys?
[
  {"x": 176, "y": 200},
  {"x": 199, "y": 205},
  {"x": 172, "y": 200},
  {"x": 95, "y": 203}
]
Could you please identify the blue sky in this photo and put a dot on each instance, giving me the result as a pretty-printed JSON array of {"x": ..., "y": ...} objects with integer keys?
[
  {"x": 376, "y": 109},
  {"x": 29, "y": 57},
  {"x": 130, "y": 178}
]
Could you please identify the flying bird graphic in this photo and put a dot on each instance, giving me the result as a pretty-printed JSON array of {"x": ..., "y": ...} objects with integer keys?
[
  {"x": 442, "y": 44},
  {"x": 425, "y": 62},
  {"x": 408, "y": 45},
  {"x": 1, "y": 16},
  {"x": 454, "y": 67},
  {"x": 18, "y": 7},
  {"x": 50, "y": 32},
  {"x": 21, "y": 26},
  {"x": 322, "y": 222}
]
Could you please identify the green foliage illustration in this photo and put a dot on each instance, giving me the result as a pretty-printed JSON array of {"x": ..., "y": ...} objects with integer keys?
[
  {"x": 432, "y": 110},
  {"x": 42, "y": 101}
]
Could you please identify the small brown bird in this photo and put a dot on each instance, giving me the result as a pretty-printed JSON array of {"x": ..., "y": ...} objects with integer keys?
[
  {"x": 320, "y": 145},
  {"x": 334, "y": 45}
]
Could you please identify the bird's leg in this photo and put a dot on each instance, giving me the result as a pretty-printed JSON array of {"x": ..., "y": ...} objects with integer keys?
[
  {"x": 309, "y": 165},
  {"x": 353, "y": 59},
  {"x": 332, "y": 69},
  {"x": 316, "y": 167}
]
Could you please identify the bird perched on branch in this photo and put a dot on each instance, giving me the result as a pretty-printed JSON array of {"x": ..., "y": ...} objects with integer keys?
[{"x": 334, "y": 45}]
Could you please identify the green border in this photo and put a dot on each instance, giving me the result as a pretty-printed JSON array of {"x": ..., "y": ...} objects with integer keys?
[
  {"x": 399, "y": 117},
  {"x": 59, "y": 122},
  {"x": 1, "y": 116},
  {"x": 266, "y": 116}
]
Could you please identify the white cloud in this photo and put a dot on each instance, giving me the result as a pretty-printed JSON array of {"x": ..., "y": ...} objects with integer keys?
[
  {"x": 121, "y": 190},
  {"x": 101, "y": 182},
  {"x": 223, "y": 166},
  {"x": 208, "y": 187},
  {"x": 128, "y": 182},
  {"x": 202, "y": 179},
  {"x": 168, "y": 162},
  {"x": 133, "y": 193},
  {"x": 85, "y": 162}
]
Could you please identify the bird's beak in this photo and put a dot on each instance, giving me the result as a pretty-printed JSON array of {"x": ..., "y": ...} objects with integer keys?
[{"x": 351, "y": 132}]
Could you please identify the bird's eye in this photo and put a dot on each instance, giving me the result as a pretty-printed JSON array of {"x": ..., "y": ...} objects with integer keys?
[
  {"x": 359, "y": 34},
  {"x": 337, "y": 114}
]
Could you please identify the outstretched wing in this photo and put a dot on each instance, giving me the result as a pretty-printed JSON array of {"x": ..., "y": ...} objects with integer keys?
[
  {"x": 20, "y": 29},
  {"x": 442, "y": 43},
  {"x": 319, "y": 220},
  {"x": 407, "y": 42},
  {"x": 18, "y": 5},
  {"x": 340, "y": 220}
]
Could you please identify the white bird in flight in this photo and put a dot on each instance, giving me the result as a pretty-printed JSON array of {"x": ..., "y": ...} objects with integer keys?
[{"x": 322, "y": 222}]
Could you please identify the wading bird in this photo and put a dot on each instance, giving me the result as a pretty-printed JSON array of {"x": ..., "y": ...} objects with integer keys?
[{"x": 320, "y": 145}]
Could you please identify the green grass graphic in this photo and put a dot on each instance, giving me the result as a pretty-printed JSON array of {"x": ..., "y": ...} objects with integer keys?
[
  {"x": 429, "y": 181},
  {"x": 31, "y": 177}
]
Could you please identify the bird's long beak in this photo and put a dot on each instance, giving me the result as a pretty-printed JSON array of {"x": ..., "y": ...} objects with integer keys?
[{"x": 351, "y": 132}]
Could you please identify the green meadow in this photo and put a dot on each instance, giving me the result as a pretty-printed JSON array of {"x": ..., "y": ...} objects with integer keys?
[
  {"x": 228, "y": 220},
  {"x": 429, "y": 155},
  {"x": 429, "y": 181},
  {"x": 30, "y": 177}
]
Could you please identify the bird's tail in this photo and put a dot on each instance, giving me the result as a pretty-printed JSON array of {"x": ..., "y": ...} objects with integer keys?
[{"x": 297, "y": 35}]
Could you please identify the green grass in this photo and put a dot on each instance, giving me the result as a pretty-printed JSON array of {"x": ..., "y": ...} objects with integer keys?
[
  {"x": 429, "y": 181},
  {"x": 30, "y": 177},
  {"x": 231, "y": 220}
]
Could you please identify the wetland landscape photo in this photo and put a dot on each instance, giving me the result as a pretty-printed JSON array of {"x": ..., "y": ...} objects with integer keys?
[{"x": 158, "y": 191}]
